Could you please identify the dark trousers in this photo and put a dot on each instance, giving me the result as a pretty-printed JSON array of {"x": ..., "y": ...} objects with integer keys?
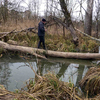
[{"x": 42, "y": 40}]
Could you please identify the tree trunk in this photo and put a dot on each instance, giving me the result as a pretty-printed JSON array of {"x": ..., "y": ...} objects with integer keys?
[
  {"x": 69, "y": 23},
  {"x": 97, "y": 27},
  {"x": 88, "y": 17},
  {"x": 5, "y": 11},
  {"x": 97, "y": 17},
  {"x": 34, "y": 51}
]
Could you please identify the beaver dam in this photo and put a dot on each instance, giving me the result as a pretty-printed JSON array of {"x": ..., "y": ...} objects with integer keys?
[{"x": 39, "y": 79}]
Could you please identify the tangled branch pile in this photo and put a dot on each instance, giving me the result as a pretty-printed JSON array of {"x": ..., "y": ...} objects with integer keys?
[{"x": 90, "y": 84}]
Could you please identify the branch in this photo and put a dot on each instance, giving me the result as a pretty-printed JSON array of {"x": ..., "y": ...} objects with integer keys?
[
  {"x": 93, "y": 38},
  {"x": 1, "y": 33},
  {"x": 7, "y": 34}
]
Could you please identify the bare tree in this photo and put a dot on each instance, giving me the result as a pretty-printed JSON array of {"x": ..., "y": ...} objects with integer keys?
[
  {"x": 46, "y": 8},
  {"x": 69, "y": 24},
  {"x": 97, "y": 3},
  {"x": 4, "y": 10},
  {"x": 88, "y": 17}
]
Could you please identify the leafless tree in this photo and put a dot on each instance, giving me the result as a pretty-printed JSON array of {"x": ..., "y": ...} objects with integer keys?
[
  {"x": 97, "y": 10},
  {"x": 88, "y": 17},
  {"x": 4, "y": 10},
  {"x": 69, "y": 24},
  {"x": 46, "y": 8}
]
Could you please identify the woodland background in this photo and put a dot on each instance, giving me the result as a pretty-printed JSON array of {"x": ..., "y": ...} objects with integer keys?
[{"x": 63, "y": 18}]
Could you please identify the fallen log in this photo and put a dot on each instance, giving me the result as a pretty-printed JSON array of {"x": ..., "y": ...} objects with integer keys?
[
  {"x": 16, "y": 32},
  {"x": 36, "y": 52},
  {"x": 93, "y": 38},
  {"x": 1, "y": 33},
  {"x": 6, "y": 33},
  {"x": 19, "y": 48}
]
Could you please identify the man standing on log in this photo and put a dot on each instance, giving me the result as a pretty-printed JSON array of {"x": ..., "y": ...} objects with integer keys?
[{"x": 41, "y": 33}]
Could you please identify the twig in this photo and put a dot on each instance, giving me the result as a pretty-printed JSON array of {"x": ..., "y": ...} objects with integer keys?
[{"x": 34, "y": 71}]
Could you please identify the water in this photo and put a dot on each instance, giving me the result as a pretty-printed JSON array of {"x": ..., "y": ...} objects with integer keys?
[{"x": 15, "y": 71}]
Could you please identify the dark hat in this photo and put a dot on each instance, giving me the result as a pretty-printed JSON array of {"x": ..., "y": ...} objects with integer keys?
[{"x": 44, "y": 20}]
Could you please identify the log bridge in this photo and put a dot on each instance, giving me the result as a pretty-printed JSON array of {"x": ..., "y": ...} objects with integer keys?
[{"x": 36, "y": 52}]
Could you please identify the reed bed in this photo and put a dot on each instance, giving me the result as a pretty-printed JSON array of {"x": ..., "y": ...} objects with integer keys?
[
  {"x": 90, "y": 84},
  {"x": 5, "y": 94},
  {"x": 48, "y": 87}
]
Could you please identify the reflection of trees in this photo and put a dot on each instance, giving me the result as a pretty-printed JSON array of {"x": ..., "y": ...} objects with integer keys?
[
  {"x": 63, "y": 69},
  {"x": 44, "y": 67},
  {"x": 5, "y": 72},
  {"x": 58, "y": 68},
  {"x": 80, "y": 73}
]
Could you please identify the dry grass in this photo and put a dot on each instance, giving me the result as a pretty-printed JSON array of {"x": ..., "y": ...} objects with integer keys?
[
  {"x": 6, "y": 95},
  {"x": 11, "y": 25},
  {"x": 90, "y": 84},
  {"x": 48, "y": 87},
  {"x": 54, "y": 37}
]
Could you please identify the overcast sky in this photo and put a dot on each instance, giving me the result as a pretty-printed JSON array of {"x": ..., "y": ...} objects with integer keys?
[
  {"x": 42, "y": 5},
  {"x": 74, "y": 6}
]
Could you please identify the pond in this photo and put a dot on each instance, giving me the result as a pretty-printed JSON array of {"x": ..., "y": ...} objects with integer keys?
[{"x": 15, "y": 71}]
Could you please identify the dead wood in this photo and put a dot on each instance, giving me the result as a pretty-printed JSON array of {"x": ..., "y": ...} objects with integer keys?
[
  {"x": 70, "y": 28},
  {"x": 69, "y": 24},
  {"x": 1, "y": 33},
  {"x": 21, "y": 49},
  {"x": 36, "y": 52},
  {"x": 31, "y": 29},
  {"x": 7, "y": 34},
  {"x": 93, "y": 38}
]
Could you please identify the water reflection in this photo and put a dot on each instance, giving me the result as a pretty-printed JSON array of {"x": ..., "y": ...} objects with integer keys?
[
  {"x": 5, "y": 72},
  {"x": 71, "y": 73},
  {"x": 15, "y": 71},
  {"x": 62, "y": 69}
]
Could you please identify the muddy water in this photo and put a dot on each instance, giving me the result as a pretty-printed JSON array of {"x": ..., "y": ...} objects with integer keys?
[{"x": 15, "y": 71}]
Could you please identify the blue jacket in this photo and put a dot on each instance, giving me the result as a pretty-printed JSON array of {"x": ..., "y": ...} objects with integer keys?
[{"x": 41, "y": 30}]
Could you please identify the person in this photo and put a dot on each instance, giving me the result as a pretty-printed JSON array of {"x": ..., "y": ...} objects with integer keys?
[{"x": 41, "y": 33}]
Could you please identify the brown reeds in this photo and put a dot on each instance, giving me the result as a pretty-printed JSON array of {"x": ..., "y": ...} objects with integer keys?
[
  {"x": 5, "y": 94},
  {"x": 90, "y": 84},
  {"x": 48, "y": 87}
]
